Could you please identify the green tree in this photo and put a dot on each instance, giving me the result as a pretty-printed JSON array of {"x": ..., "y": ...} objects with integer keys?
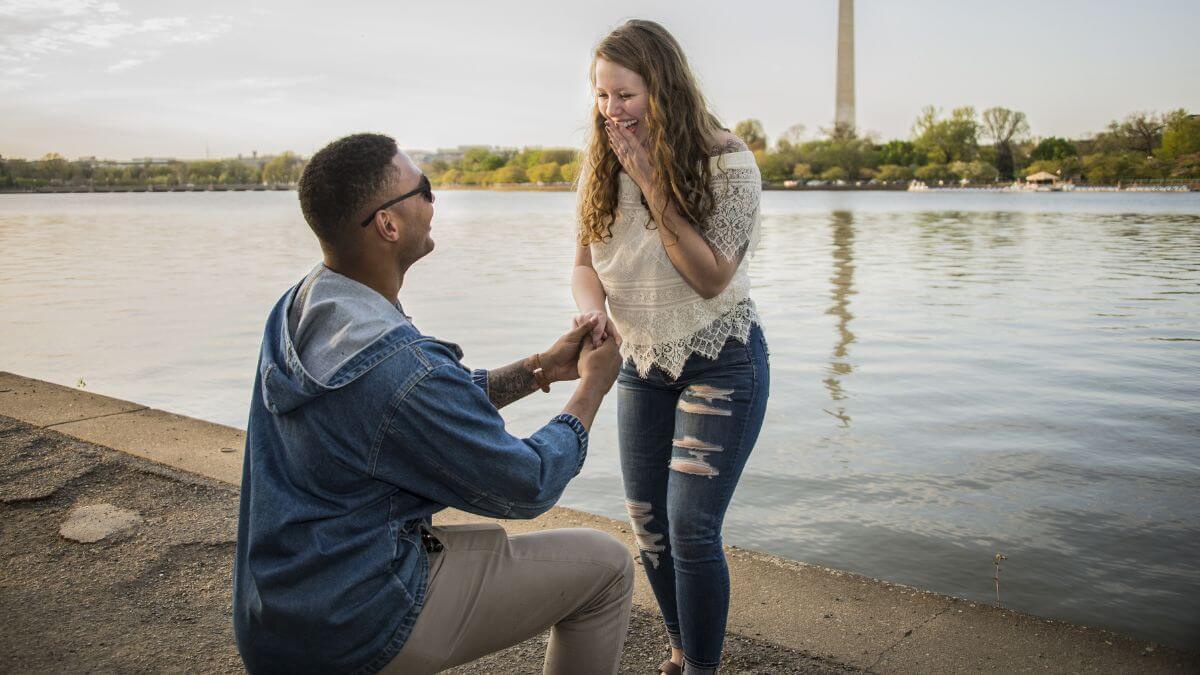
[
  {"x": 204, "y": 172},
  {"x": 450, "y": 177},
  {"x": 852, "y": 155},
  {"x": 1156, "y": 167},
  {"x": 791, "y": 137},
  {"x": 570, "y": 170},
  {"x": 891, "y": 173},
  {"x": 802, "y": 171},
  {"x": 559, "y": 156},
  {"x": 978, "y": 171},
  {"x": 1144, "y": 130},
  {"x": 1054, "y": 148},
  {"x": 436, "y": 167},
  {"x": 509, "y": 174},
  {"x": 1187, "y": 166},
  {"x": 236, "y": 172},
  {"x": 899, "y": 153},
  {"x": 932, "y": 173},
  {"x": 1112, "y": 167},
  {"x": 283, "y": 169},
  {"x": 775, "y": 167},
  {"x": 941, "y": 141},
  {"x": 834, "y": 173},
  {"x": 483, "y": 159},
  {"x": 1181, "y": 137},
  {"x": 546, "y": 172},
  {"x": 1047, "y": 165},
  {"x": 1003, "y": 127},
  {"x": 1139, "y": 132},
  {"x": 526, "y": 158},
  {"x": 752, "y": 134},
  {"x": 53, "y": 168}
]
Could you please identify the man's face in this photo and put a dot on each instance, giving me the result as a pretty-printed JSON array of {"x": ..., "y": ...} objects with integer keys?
[{"x": 411, "y": 216}]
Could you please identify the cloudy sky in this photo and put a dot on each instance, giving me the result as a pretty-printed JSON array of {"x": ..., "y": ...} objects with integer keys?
[{"x": 135, "y": 78}]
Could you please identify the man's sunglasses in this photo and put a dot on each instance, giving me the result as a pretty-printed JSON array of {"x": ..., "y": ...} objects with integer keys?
[{"x": 423, "y": 188}]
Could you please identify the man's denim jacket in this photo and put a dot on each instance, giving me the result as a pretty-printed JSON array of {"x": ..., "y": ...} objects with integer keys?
[{"x": 340, "y": 478}]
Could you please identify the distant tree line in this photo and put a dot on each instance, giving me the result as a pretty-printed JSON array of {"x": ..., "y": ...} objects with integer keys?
[
  {"x": 961, "y": 146},
  {"x": 492, "y": 166},
  {"x": 53, "y": 170},
  {"x": 994, "y": 146}
]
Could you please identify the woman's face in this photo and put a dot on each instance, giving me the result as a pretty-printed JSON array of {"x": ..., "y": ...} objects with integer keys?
[{"x": 621, "y": 97}]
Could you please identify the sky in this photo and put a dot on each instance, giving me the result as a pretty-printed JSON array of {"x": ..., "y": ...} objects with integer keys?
[{"x": 163, "y": 78}]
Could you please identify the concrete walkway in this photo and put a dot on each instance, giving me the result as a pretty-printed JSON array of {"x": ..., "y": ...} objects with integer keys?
[{"x": 785, "y": 617}]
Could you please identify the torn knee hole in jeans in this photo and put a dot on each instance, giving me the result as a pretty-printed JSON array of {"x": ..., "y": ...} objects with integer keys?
[
  {"x": 697, "y": 463},
  {"x": 647, "y": 541},
  {"x": 708, "y": 394}
]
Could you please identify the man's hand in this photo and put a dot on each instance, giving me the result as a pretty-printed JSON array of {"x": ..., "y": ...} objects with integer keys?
[
  {"x": 598, "y": 366},
  {"x": 561, "y": 360}
]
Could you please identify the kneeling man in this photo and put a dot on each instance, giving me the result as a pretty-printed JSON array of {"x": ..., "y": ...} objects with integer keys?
[{"x": 361, "y": 428}]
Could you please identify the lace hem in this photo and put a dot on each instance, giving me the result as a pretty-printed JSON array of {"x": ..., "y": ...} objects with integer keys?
[{"x": 707, "y": 342}]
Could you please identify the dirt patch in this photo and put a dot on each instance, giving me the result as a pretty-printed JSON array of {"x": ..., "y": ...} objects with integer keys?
[
  {"x": 646, "y": 647},
  {"x": 155, "y": 599}
]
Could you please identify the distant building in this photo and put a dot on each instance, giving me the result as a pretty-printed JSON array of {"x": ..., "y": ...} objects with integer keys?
[
  {"x": 845, "y": 114},
  {"x": 254, "y": 161},
  {"x": 136, "y": 161},
  {"x": 1042, "y": 178}
]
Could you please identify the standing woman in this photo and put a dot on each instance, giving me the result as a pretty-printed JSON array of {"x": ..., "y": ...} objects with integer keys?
[{"x": 669, "y": 211}]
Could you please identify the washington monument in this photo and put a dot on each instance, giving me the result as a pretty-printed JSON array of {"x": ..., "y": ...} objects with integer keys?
[{"x": 844, "y": 117}]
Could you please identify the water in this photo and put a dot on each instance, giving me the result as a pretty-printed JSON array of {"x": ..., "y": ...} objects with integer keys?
[{"x": 954, "y": 375}]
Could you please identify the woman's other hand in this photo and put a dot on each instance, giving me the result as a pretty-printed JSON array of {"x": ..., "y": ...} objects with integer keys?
[{"x": 632, "y": 155}]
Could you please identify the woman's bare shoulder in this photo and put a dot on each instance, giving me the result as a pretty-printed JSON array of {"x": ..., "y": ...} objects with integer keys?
[{"x": 725, "y": 142}]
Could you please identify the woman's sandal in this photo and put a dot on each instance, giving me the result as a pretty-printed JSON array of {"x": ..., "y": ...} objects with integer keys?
[{"x": 668, "y": 667}]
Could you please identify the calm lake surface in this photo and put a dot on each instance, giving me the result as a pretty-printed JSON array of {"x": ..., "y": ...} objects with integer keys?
[{"x": 954, "y": 375}]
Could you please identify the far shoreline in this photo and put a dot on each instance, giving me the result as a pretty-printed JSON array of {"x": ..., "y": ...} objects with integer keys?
[{"x": 523, "y": 187}]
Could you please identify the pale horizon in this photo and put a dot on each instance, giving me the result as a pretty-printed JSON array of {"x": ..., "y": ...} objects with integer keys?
[{"x": 119, "y": 80}]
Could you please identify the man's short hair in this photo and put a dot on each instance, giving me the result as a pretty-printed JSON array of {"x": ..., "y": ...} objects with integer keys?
[{"x": 343, "y": 179}]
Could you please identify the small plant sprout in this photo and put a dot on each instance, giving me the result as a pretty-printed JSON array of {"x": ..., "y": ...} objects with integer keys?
[
  {"x": 996, "y": 577},
  {"x": 81, "y": 384}
]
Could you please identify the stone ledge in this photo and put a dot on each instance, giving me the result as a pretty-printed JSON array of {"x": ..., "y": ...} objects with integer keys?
[{"x": 850, "y": 619}]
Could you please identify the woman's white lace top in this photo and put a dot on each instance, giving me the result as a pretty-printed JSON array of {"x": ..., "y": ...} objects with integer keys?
[{"x": 661, "y": 319}]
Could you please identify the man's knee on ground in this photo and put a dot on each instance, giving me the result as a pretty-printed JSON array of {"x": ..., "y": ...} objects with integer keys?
[{"x": 611, "y": 553}]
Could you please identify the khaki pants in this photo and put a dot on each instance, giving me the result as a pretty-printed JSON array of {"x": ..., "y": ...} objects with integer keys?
[{"x": 488, "y": 591}]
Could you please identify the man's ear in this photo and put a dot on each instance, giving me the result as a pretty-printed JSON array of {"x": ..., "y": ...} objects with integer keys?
[{"x": 387, "y": 225}]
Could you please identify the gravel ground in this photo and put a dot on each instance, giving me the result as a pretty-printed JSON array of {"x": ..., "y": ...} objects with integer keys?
[
  {"x": 157, "y": 597},
  {"x": 646, "y": 647}
]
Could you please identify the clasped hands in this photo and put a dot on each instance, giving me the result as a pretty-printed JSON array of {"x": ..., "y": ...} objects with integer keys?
[{"x": 588, "y": 349}]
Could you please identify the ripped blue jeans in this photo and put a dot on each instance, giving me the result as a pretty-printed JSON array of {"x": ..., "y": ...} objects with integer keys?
[{"x": 683, "y": 445}]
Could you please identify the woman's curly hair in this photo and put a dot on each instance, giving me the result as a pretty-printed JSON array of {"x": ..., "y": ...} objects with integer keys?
[{"x": 678, "y": 123}]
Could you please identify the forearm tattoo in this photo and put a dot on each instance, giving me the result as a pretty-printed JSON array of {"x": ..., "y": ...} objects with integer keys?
[{"x": 510, "y": 383}]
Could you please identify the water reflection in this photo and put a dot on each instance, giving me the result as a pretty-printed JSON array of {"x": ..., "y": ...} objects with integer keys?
[{"x": 842, "y": 223}]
